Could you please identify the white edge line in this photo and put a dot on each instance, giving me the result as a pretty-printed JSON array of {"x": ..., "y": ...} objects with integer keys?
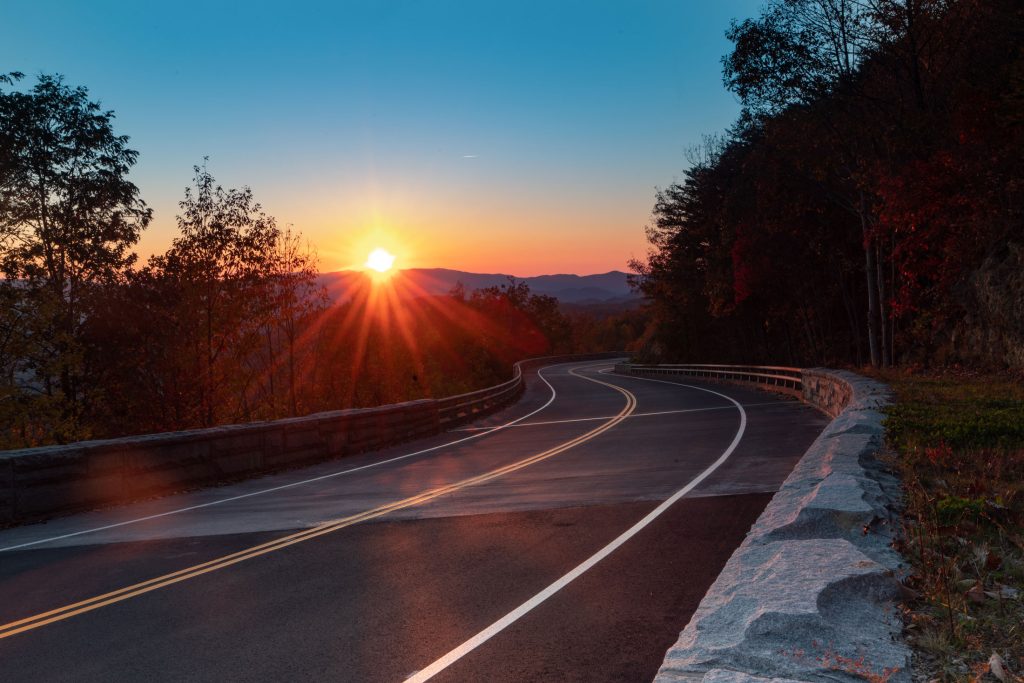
[
  {"x": 480, "y": 638},
  {"x": 330, "y": 475}
]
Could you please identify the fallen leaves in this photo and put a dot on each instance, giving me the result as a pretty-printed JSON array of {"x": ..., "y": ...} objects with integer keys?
[{"x": 998, "y": 668}]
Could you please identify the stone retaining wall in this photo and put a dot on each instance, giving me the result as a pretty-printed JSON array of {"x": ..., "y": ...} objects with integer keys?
[
  {"x": 829, "y": 391},
  {"x": 36, "y": 482},
  {"x": 811, "y": 594}
]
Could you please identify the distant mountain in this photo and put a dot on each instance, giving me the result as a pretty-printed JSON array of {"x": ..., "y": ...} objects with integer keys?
[{"x": 603, "y": 288}]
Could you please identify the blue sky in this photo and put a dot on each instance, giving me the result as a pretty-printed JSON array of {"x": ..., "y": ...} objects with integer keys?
[{"x": 524, "y": 137}]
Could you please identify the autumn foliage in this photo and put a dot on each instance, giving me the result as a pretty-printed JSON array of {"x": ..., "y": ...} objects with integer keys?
[{"x": 877, "y": 164}]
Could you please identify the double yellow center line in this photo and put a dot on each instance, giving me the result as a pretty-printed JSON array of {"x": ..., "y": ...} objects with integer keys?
[{"x": 68, "y": 611}]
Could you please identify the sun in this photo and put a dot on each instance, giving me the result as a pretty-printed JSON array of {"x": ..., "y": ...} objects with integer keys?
[{"x": 380, "y": 260}]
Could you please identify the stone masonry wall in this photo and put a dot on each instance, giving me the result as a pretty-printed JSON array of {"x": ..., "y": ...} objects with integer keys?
[
  {"x": 811, "y": 593},
  {"x": 37, "y": 482}
]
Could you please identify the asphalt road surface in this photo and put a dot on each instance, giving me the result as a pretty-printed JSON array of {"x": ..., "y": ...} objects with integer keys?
[{"x": 567, "y": 538}]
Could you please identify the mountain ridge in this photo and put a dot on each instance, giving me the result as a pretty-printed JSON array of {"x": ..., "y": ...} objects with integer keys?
[{"x": 603, "y": 288}]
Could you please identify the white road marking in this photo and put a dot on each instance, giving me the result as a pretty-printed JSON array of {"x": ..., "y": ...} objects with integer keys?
[
  {"x": 330, "y": 475},
  {"x": 595, "y": 419},
  {"x": 479, "y": 639}
]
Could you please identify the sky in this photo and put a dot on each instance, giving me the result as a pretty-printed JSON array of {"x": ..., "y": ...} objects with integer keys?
[{"x": 518, "y": 137}]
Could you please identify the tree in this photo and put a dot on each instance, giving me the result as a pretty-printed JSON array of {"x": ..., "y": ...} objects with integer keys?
[
  {"x": 294, "y": 301},
  {"x": 529, "y": 323},
  {"x": 795, "y": 53},
  {"x": 888, "y": 127},
  {"x": 216, "y": 268},
  {"x": 238, "y": 298},
  {"x": 68, "y": 219},
  {"x": 805, "y": 54}
]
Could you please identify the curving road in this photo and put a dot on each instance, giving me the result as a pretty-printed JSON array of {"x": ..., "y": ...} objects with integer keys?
[{"x": 567, "y": 538}]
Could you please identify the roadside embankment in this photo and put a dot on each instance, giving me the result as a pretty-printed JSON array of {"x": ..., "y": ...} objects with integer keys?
[
  {"x": 959, "y": 441},
  {"x": 811, "y": 593}
]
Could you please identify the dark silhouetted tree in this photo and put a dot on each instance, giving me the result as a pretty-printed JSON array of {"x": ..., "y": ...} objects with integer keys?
[{"x": 68, "y": 219}]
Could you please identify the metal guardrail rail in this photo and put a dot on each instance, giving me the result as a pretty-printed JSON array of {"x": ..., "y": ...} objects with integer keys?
[
  {"x": 777, "y": 378},
  {"x": 459, "y": 408},
  {"x": 463, "y": 406}
]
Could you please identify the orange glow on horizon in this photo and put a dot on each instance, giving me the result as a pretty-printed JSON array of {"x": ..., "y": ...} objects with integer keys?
[{"x": 477, "y": 241}]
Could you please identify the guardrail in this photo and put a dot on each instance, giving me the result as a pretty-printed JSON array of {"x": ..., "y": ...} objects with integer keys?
[
  {"x": 455, "y": 409},
  {"x": 823, "y": 389},
  {"x": 776, "y": 378},
  {"x": 36, "y": 482}
]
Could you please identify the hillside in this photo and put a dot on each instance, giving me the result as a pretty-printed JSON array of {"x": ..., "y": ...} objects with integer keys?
[{"x": 603, "y": 288}]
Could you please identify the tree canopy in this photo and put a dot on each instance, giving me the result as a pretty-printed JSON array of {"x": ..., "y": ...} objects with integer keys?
[
  {"x": 69, "y": 216},
  {"x": 846, "y": 217}
]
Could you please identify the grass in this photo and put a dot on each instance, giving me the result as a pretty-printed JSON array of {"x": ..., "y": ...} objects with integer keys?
[{"x": 958, "y": 441}]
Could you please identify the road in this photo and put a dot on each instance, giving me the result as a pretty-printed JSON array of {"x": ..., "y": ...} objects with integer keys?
[{"x": 566, "y": 538}]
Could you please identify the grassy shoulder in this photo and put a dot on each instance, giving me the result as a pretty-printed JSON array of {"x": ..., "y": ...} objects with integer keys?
[{"x": 958, "y": 440}]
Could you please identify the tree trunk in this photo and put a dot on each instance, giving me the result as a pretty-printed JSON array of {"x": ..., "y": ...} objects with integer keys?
[
  {"x": 883, "y": 306},
  {"x": 271, "y": 368},
  {"x": 208, "y": 379},
  {"x": 892, "y": 294},
  {"x": 291, "y": 367},
  {"x": 870, "y": 271},
  {"x": 851, "y": 317}
]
